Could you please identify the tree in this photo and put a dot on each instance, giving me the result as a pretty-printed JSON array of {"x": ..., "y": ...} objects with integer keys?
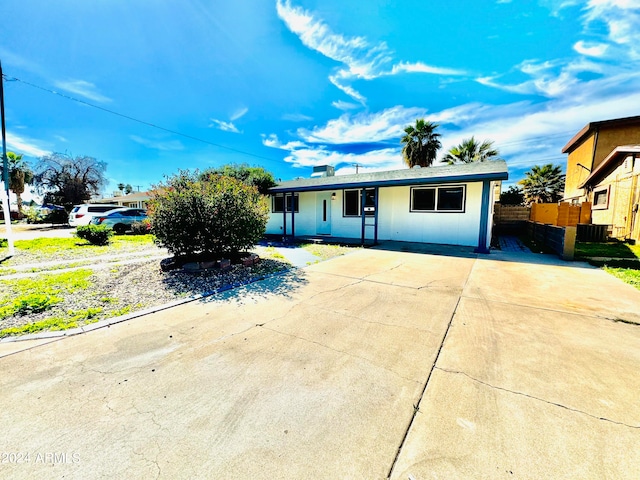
[
  {"x": 513, "y": 196},
  {"x": 212, "y": 216},
  {"x": 421, "y": 144},
  {"x": 470, "y": 151},
  {"x": 68, "y": 181},
  {"x": 19, "y": 174},
  {"x": 128, "y": 189},
  {"x": 543, "y": 184},
  {"x": 121, "y": 187},
  {"x": 254, "y": 176}
]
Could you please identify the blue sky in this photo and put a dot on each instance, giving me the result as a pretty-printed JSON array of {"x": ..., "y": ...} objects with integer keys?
[{"x": 292, "y": 84}]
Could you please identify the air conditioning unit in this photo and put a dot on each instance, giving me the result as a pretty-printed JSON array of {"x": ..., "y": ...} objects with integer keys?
[{"x": 323, "y": 171}]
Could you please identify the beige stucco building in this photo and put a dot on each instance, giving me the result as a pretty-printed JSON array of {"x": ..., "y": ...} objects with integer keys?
[
  {"x": 603, "y": 166},
  {"x": 590, "y": 146}
]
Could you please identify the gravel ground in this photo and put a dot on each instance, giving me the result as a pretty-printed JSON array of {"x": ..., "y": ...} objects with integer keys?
[{"x": 123, "y": 288}]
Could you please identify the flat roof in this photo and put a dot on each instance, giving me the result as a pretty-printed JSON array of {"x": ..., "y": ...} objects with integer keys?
[
  {"x": 465, "y": 172},
  {"x": 590, "y": 127},
  {"x": 618, "y": 153}
]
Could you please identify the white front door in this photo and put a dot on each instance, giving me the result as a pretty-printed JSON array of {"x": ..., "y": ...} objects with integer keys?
[{"x": 323, "y": 213}]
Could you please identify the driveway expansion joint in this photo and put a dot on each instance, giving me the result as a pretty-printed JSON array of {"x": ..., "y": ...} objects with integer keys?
[{"x": 571, "y": 409}]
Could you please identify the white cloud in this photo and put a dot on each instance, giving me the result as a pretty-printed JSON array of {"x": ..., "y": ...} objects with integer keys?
[
  {"x": 360, "y": 58},
  {"x": 614, "y": 53},
  {"x": 364, "y": 127},
  {"x": 224, "y": 126},
  {"x": 84, "y": 89},
  {"x": 272, "y": 141},
  {"x": 61, "y": 138},
  {"x": 171, "y": 145},
  {"x": 340, "y": 105},
  {"x": 621, "y": 17},
  {"x": 239, "y": 114},
  {"x": 19, "y": 144},
  {"x": 384, "y": 159},
  {"x": 296, "y": 117},
  {"x": 590, "y": 49},
  {"x": 419, "y": 67}
]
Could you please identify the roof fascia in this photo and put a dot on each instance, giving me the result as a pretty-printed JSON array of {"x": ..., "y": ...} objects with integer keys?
[{"x": 477, "y": 177}]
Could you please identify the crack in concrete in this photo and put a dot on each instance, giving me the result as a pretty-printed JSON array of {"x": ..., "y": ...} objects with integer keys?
[
  {"x": 594, "y": 315},
  {"x": 416, "y": 406},
  {"x": 340, "y": 351},
  {"x": 495, "y": 387}
]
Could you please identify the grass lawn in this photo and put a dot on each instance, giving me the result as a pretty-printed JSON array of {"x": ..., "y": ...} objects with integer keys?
[
  {"x": 38, "y": 297},
  {"x": 627, "y": 275},
  {"x": 624, "y": 263},
  {"x": 48, "y": 249},
  {"x": 609, "y": 249}
]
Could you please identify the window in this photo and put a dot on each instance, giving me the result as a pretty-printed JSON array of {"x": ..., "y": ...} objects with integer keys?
[
  {"x": 278, "y": 203},
  {"x": 352, "y": 203},
  {"x": 601, "y": 198},
  {"x": 438, "y": 199}
]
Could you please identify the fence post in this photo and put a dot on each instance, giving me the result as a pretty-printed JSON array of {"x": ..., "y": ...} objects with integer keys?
[{"x": 569, "y": 243}]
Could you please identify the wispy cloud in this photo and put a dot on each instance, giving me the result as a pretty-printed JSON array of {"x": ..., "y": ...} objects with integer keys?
[
  {"x": 241, "y": 112},
  {"x": 296, "y": 117},
  {"x": 163, "y": 145},
  {"x": 20, "y": 144},
  {"x": 341, "y": 105},
  {"x": 224, "y": 126},
  {"x": 363, "y": 138},
  {"x": 611, "y": 48},
  {"x": 360, "y": 58},
  {"x": 590, "y": 49},
  {"x": 363, "y": 127},
  {"x": 82, "y": 88}
]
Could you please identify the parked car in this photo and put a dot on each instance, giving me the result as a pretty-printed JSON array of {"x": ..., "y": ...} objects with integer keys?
[
  {"x": 82, "y": 214},
  {"x": 121, "y": 219}
]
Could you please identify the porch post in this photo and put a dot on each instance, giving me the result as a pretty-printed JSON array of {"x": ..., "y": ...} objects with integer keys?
[
  {"x": 375, "y": 216},
  {"x": 484, "y": 217},
  {"x": 284, "y": 217},
  {"x": 293, "y": 215},
  {"x": 362, "y": 200}
]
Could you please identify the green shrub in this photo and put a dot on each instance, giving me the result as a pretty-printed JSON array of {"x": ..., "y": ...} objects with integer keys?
[
  {"x": 141, "y": 228},
  {"x": 214, "y": 215},
  {"x": 94, "y": 234},
  {"x": 31, "y": 303}
]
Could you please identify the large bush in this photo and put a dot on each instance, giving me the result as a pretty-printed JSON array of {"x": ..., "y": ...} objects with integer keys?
[{"x": 215, "y": 215}]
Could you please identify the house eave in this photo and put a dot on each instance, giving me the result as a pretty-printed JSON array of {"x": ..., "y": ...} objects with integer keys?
[
  {"x": 618, "y": 153},
  {"x": 351, "y": 181}
]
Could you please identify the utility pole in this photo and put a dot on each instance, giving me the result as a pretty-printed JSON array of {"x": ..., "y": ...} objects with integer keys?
[
  {"x": 5, "y": 161},
  {"x": 5, "y": 172}
]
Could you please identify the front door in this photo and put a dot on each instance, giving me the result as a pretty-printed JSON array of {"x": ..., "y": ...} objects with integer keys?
[{"x": 323, "y": 213}]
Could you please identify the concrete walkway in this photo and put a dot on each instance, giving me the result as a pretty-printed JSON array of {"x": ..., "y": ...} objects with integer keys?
[{"x": 381, "y": 363}]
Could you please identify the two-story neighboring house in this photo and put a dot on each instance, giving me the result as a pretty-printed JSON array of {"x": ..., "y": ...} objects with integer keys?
[
  {"x": 590, "y": 146},
  {"x": 603, "y": 166}
]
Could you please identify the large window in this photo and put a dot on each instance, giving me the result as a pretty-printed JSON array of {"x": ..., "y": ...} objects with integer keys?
[
  {"x": 438, "y": 199},
  {"x": 601, "y": 198},
  {"x": 352, "y": 204},
  {"x": 277, "y": 204}
]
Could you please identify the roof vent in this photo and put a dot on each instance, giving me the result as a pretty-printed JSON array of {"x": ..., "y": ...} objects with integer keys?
[{"x": 323, "y": 171}]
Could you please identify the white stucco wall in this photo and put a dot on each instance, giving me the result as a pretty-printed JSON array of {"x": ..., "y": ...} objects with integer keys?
[{"x": 395, "y": 220}]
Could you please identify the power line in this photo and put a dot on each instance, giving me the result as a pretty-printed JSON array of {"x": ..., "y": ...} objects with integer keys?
[{"x": 149, "y": 124}]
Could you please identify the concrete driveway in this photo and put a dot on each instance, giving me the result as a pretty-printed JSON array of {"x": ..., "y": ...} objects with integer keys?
[{"x": 381, "y": 363}]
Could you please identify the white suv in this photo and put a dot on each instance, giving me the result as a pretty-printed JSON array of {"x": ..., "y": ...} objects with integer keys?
[{"x": 82, "y": 214}]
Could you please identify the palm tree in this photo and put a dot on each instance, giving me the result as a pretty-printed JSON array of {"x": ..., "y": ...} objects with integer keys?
[
  {"x": 543, "y": 184},
  {"x": 421, "y": 144},
  {"x": 19, "y": 175},
  {"x": 470, "y": 151}
]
